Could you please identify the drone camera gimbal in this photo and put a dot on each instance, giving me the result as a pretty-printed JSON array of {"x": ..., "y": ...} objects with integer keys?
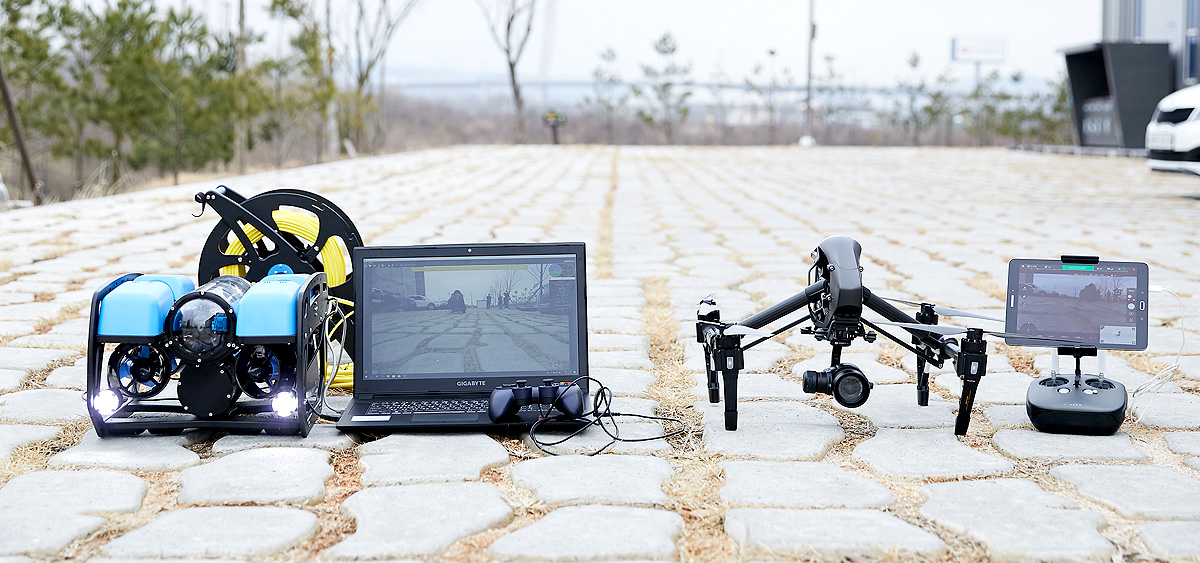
[{"x": 835, "y": 304}]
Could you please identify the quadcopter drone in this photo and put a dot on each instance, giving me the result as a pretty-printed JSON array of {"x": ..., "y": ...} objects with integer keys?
[{"x": 835, "y": 302}]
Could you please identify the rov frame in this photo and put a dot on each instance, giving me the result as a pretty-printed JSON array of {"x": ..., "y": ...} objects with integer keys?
[{"x": 164, "y": 413}]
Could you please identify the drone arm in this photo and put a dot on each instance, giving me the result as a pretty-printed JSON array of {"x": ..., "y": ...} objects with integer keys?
[{"x": 785, "y": 307}]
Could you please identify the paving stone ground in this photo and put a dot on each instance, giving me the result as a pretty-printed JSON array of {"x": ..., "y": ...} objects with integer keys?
[{"x": 665, "y": 226}]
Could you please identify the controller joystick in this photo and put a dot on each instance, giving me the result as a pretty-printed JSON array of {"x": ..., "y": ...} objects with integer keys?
[{"x": 507, "y": 400}]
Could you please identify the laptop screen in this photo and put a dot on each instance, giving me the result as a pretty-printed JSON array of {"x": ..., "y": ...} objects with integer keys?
[{"x": 470, "y": 317}]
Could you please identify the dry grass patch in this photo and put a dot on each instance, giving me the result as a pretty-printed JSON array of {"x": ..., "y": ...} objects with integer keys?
[
  {"x": 36, "y": 379},
  {"x": 693, "y": 489},
  {"x": 335, "y": 524},
  {"x": 892, "y": 355},
  {"x": 527, "y": 509},
  {"x": 162, "y": 490},
  {"x": 35, "y": 456},
  {"x": 986, "y": 284},
  {"x": 1021, "y": 359},
  {"x": 602, "y": 256}
]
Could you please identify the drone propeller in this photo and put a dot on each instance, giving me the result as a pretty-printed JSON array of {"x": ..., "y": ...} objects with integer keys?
[
  {"x": 946, "y": 330},
  {"x": 741, "y": 330},
  {"x": 946, "y": 311},
  {"x": 706, "y": 305}
]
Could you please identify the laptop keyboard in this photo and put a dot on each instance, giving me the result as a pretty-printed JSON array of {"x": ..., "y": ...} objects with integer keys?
[{"x": 433, "y": 406}]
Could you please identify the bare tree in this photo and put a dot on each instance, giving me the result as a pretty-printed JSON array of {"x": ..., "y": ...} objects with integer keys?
[
  {"x": 375, "y": 23},
  {"x": 509, "y": 21},
  {"x": 540, "y": 274}
]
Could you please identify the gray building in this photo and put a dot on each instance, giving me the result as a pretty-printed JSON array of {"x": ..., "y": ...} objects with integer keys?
[{"x": 1174, "y": 22}]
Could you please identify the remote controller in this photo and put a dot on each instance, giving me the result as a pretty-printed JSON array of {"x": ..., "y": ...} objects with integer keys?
[
  {"x": 506, "y": 400},
  {"x": 1073, "y": 404}
]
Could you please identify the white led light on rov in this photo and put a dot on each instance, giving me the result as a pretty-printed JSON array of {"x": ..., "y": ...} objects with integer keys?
[
  {"x": 285, "y": 404},
  {"x": 106, "y": 402}
]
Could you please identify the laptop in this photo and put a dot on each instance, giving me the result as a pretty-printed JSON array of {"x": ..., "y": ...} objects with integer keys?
[{"x": 440, "y": 327}]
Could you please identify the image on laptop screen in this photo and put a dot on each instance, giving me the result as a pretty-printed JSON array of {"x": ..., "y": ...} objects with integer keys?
[{"x": 434, "y": 317}]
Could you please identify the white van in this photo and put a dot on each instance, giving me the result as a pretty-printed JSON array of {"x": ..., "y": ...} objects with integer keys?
[{"x": 1173, "y": 134}]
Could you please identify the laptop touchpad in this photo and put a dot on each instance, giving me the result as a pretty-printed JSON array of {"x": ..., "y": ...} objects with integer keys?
[{"x": 445, "y": 417}]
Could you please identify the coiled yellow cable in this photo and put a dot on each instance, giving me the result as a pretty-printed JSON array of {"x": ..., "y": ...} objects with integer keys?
[
  {"x": 343, "y": 377},
  {"x": 303, "y": 226},
  {"x": 308, "y": 228}
]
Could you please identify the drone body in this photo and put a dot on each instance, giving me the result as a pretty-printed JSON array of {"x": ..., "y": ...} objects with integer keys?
[{"x": 835, "y": 303}]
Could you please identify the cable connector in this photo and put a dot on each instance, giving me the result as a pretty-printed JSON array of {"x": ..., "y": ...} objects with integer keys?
[{"x": 1155, "y": 288}]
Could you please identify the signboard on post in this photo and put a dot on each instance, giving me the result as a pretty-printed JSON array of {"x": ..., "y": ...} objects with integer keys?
[{"x": 977, "y": 49}]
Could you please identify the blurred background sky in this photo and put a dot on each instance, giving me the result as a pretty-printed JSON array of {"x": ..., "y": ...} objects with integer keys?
[{"x": 447, "y": 41}]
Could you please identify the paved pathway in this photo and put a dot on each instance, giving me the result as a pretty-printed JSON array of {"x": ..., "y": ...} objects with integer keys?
[{"x": 801, "y": 478}]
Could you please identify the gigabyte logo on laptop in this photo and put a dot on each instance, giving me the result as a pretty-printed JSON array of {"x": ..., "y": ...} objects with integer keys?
[{"x": 472, "y": 383}]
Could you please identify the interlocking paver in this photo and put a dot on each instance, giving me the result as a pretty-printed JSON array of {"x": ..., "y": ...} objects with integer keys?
[
  {"x": 1167, "y": 410},
  {"x": 926, "y": 453},
  {"x": 415, "y": 458},
  {"x": 321, "y": 436},
  {"x": 999, "y": 387},
  {"x": 15, "y": 435},
  {"x": 1137, "y": 491},
  {"x": 217, "y": 531},
  {"x": 43, "y": 532},
  {"x": 624, "y": 479},
  {"x": 799, "y": 485},
  {"x": 737, "y": 223},
  {"x": 1008, "y": 416},
  {"x": 76, "y": 492},
  {"x": 597, "y": 532},
  {"x": 133, "y": 453},
  {"x": 827, "y": 533},
  {"x": 895, "y": 406},
  {"x": 28, "y": 358},
  {"x": 756, "y": 386},
  {"x": 1005, "y": 514},
  {"x": 1041, "y": 445},
  {"x": 1175, "y": 540},
  {"x": 772, "y": 430},
  {"x": 448, "y": 511},
  {"x": 263, "y": 475},
  {"x": 10, "y": 379},
  {"x": 43, "y": 406}
]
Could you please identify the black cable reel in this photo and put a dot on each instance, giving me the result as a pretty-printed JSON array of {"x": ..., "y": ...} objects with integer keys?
[{"x": 282, "y": 231}]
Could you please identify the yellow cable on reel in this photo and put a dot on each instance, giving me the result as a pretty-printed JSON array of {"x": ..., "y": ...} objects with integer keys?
[
  {"x": 307, "y": 228},
  {"x": 303, "y": 226}
]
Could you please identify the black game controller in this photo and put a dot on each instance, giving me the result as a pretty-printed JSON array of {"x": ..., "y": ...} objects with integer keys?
[
  {"x": 506, "y": 400},
  {"x": 1066, "y": 404}
]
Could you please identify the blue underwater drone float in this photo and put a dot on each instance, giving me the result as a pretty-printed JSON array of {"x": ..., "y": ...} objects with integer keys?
[{"x": 164, "y": 355}]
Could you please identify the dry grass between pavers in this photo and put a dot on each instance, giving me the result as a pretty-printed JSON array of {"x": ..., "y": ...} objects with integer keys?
[
  {"x": 36, "y": 379},
  {"x": 527, "y": 509},
  {"x": 162, "y": 489},
  {"x": 1019, "y": 358},
  {"x": 602, "y": 256},
  {"x": 693, "y": 489},
  {"x": 36, "y": 456},
  {"x": 335, "y": 524},
  {"x": 986, "y": 284}
]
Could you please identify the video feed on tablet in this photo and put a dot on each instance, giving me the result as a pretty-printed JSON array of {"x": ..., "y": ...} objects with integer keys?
[{"x": 1100, "y": 305}]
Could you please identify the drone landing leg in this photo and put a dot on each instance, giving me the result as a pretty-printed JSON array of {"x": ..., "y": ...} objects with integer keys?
[
  {"x": 922, "y": 382},
  {"x": 965, "y": 403},
  {"x": 731, "y": 415},
  {"x": 714, "y": 387},
  {"x": 970, "y": 365}
]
